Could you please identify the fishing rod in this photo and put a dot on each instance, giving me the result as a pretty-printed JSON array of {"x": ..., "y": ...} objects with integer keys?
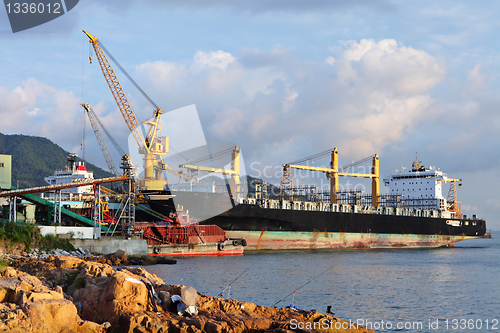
[
  {"x": 229, "y": 286},
  {"x": 293, "y": 292}
]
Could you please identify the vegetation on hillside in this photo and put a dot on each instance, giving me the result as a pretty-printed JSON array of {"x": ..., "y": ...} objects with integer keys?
[
  {"x": 34, "y": 158},
  {"x": 29, "y": 235}
]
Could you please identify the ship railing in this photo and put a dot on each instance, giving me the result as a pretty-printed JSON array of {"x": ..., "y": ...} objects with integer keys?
[{"x": 341, "y": 208}]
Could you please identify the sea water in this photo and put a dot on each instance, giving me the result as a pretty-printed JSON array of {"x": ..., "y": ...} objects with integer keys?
[{"x": 419, "y": 290}]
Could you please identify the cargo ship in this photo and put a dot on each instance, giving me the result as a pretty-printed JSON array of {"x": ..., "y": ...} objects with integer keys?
[{"x": 413, "y": 215}]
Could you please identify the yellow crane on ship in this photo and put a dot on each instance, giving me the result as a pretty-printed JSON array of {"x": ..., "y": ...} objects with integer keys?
[
  {"x": 333, "y": 174},
  {"x": 153, "y": 146},
  {"x": 454, "y": 206},
  {"x": 234, "y": 172}
]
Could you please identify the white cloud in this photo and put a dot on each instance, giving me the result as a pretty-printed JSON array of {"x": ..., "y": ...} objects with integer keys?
[
  {"x": 38, "y": 109},
  {"x": 397, "y": 68},
  {"x": 371, "y": 96},
  {"x": 476, "y": 81},
  {"x": 213, "y": 59},
  {"x": 493, "y": 202},
  {"x": 161, "y": 72}
]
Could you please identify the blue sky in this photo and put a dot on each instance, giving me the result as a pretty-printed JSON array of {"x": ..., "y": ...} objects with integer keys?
[{"x": 283, "y": 79}]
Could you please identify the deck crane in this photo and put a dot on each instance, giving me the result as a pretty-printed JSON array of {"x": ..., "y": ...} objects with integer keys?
[
  {"x": 333, "y": 174},
  {"x": 454, "y": 205},
  {"x": 234, "y": 172},
  {"x": 154, "y": 145}
]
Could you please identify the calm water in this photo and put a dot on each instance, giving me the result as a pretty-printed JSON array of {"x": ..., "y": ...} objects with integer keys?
[{"x": 396, "y": 286}]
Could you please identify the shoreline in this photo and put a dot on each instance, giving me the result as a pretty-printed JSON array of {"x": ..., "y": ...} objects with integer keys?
[{"x": 70, "y": 294}]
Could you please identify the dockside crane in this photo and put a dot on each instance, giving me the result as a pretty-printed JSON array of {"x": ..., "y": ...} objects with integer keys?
[
  {"x": 154, "y": 145},
  {"x": 333, "y": 174},
  {"x": 96, "y": 125}
]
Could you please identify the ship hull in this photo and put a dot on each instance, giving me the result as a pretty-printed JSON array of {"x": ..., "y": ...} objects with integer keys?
[
  {"x": 297, "y": 240},
  {"x": 211, "y": 249},
  {"x": 301, "y": 229}
]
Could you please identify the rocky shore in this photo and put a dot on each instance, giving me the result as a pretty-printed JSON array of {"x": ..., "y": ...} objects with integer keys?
[{"x": 73, "y": 294}]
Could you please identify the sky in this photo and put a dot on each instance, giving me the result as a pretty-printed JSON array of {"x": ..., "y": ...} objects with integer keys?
[{"x": 282, "y": 79}]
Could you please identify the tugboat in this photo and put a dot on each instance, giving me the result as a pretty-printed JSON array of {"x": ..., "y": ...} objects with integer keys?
[{"x": 178, "y": 236}]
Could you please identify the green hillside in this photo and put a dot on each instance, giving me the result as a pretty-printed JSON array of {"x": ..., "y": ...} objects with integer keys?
[{"x": 34, "y": 158}]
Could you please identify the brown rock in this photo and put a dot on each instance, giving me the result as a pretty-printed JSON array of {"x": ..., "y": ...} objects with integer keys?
[
  {"x": 11, "y": 287},
  {"x": 68, "y": 262},
  {"x": 10, "y": 272},
  {"x": 141, "y": 272},
  {"x": 59, "y": 290},
  {"x": 120, "y": 254},
  {"x": 91, "y": 327},
  {"x": 52, "y": 316}
]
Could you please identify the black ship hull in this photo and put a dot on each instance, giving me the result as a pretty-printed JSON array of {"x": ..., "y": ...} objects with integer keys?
[{"x": 321, "y": 226}]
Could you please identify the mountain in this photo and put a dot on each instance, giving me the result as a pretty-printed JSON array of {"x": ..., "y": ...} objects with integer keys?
[{"x": 34, "y": 158}]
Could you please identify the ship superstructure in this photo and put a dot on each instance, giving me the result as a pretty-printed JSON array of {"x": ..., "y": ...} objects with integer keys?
[
  {"x": 73, "y": 172},
  {"x": 418, "y": 188}
]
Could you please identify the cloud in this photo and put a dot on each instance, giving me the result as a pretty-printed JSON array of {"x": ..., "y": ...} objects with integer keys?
[
  {"x": 494, "y": 203},
  {"x": 373, "y": 95},
  {"x": 161, "y": 72},
  {"x": 218, "y": 59},
  {"x": 396, "y": 68},
  {"x": 37, "y": 109},
  {"x": 476, "y": 81}
]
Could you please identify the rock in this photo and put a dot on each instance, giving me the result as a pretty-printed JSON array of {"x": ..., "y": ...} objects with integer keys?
[
  {"x": 52, "y": 315},
  {"x": 120, "y": 254},
  {"x": 11, "y": 288},
  {"x": 69, "y": 262},
  {"x": 123, "y": 295},
  {"x": 165, "y": 299},
  {"x": 91, "y": 327},
  {"x": 59, "y": 290},
  {"x": 10, "y": 272},
  {"x": 139, "y": 271},
  {"x": 117, "y": 300},
  {"x": 146, "y": 260}
]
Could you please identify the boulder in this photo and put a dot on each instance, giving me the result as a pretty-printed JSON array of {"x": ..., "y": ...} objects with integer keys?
[
  {"x": 68, "y": 262},
  {"x": 11, "y": 288},
  {"x": 142, "y": 273},
  {"x": 120, "y": 254},
  {"x": 52, "y": 315},
  {"x": 10, "y": 272}
]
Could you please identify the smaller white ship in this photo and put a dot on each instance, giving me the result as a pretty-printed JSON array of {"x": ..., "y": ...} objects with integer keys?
[{"x": 73, "y": 172}]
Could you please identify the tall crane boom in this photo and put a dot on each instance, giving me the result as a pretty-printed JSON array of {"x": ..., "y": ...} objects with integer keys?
[
  {"x": 117, "y": 91},
  {"x": 95, "y": 126},
  {"x": 153, "y": 145}
]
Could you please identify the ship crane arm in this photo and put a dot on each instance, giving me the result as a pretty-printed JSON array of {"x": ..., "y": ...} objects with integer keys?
[{"x": 333, "y": 174}]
